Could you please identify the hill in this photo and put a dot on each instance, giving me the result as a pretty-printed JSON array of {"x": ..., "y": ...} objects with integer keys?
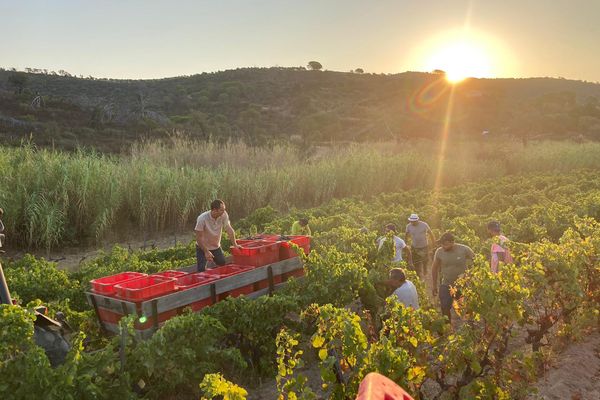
[{"x": 266, "y": 105}]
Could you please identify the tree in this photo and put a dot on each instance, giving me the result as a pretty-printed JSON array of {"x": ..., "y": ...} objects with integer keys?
[
  {"x": 18, "y": 81},
  {"x": 315, "y": 65},
  {"x": 359, "y": 70}
]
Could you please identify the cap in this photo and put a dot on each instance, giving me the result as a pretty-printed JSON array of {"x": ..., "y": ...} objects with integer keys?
[{"x": 413, "y": 217}]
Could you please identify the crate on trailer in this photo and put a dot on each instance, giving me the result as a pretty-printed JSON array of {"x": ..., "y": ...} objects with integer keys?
[
  {"x": 230, "y": 270},
  {"x": 145, "y": 288},
  {"x": 170, "y": 273},
  {"x": 287, "y": 251},
  {"x": 106, "y": 285},
  {"x": 256, "y": 253},
  {"x": 192, "y": 280}
]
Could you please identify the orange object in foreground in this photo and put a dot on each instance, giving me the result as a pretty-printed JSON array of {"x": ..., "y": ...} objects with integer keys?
[{"x": 378, "y": 387}]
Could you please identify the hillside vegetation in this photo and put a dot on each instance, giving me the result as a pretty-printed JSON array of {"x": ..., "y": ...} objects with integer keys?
[{"x": 267, "y": 105}]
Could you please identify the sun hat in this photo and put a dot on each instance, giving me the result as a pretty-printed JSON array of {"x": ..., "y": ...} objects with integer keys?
[{"x": 413, "y": 217}]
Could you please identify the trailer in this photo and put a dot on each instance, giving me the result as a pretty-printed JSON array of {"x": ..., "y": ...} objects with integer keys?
[{"x": 152, "y": 313}]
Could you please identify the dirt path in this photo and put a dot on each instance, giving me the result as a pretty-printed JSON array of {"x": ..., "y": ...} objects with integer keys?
[
  {"x": 70, "y": 258},
  {"x": 576, "y": 375}
]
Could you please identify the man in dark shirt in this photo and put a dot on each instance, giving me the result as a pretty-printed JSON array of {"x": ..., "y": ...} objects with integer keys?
[{"x": 449, "y": 262}]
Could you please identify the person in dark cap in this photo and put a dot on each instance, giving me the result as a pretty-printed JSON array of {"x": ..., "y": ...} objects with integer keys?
[
  {"x": 499, "y": 252},
  {"x": 404, "y": 290},
  {"x": 449, "y": 263}
]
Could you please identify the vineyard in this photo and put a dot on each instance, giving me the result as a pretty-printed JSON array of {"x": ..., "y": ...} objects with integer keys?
[
  {"x": 54, "y": 198},
  {"x": 337, "y": 320}
]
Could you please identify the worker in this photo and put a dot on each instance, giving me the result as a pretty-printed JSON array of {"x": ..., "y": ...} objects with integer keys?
[
  {"x": 301, "y": 227},
  {"x": 450, "y": 262},
  {"x": 405, "y": 290},
  {"x": 499, "y": 252},
  {"x": 418, "y": 231},
  {"x": 399, "y": 245},
  {"x": 209, "y": 227}
]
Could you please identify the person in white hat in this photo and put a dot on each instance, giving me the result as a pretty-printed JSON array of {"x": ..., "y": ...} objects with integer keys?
[{"x": 418, "y": 231}]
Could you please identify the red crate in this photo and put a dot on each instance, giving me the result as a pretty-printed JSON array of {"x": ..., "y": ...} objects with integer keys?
[
  {"x": 106, "y": 285},
  {"x": 286, "y": 251},
  {"x": 230, "y": 270},
  {"x": 226, "y": 270},
  {"x": 378, "y": 387},
  {"x": 193, "y": 280},
  {"x": 200, "y": 304},
  {"x": 170, "y": 274},
  {"x": 265, "y": 282},
  {"x": 145, "y": 288},
  {"x": 256, "y": 253}
]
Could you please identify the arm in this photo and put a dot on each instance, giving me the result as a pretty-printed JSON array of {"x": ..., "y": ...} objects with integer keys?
[
  {"x": 231, "y": 234},
  {"x": 435, "y": 269},
  {"x": 200, "y": 242},
  {"x": 431, "y": 237}
]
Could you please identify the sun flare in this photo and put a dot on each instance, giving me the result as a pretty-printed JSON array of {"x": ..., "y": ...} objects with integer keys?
[
  {"x": 463, "y": 54},
  {"x": 462, "y": 60}
]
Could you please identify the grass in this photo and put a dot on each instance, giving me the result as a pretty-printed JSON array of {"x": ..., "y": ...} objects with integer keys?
[{"x": 53, "y": 198}]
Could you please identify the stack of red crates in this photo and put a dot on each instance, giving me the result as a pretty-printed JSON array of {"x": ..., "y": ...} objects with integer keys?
[
  {"x": 286, "y": 251},
  {"x": 256, "y": 253},
  {"x": 135, "y": 287},
  {"x": 229, "y": 270}
]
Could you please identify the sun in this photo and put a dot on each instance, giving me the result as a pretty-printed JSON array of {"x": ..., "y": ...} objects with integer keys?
[
  {"x": 463, "y": 54},
  {"x": 460, "y": 60}
]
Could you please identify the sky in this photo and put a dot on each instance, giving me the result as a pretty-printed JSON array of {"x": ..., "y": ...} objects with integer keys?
[{"x": 154, "y": 39}]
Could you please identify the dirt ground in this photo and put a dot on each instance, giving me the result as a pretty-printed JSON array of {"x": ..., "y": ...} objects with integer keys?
[
  {"x": 70, "y": 258},
  {"x": 576, "y": 374}
]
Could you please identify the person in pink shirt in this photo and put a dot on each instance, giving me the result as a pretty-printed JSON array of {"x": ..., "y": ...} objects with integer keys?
[{"x": 499, "y": 252}]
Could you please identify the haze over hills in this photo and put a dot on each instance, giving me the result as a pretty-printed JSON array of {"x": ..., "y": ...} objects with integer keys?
[{"x": 266, "y": 105}]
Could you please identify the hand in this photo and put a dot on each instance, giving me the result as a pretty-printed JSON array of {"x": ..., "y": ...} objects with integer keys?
[
  {"x": 236, "y": 245},
  {"x": 209, "y": 256},
  {"x": 434, "y": 291}
]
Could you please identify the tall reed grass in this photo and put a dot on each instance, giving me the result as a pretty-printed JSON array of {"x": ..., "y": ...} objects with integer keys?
[{"x": 53, "y": 198}]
